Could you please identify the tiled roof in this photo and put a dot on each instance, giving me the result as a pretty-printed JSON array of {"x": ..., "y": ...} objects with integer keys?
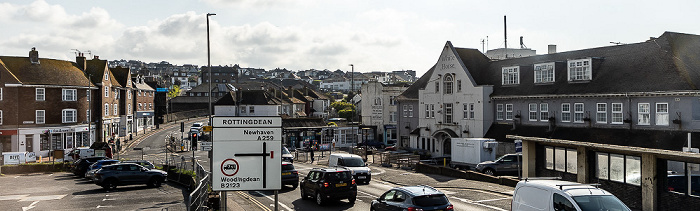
[
  {"x": 412, "y": 92},
  {"x": 47, "y": 72},
  {"x": 258, "y": 97},
  {"x": 96, "y": 68},
  {"x": 121, "y": 74},
  {"x": 142, "y": 86}
]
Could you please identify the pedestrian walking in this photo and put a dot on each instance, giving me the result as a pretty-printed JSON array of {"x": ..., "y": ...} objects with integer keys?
[{"x": 311, "y": 151}]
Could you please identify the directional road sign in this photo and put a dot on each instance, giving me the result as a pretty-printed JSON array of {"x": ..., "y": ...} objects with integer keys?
[{"x": 246, "y": 153}]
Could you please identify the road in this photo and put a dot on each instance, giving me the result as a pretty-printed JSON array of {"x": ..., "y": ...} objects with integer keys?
[{"x": 462, "y": 199}]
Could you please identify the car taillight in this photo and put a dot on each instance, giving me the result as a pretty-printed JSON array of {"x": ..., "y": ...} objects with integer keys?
[
  {"x": 325, "y": 184},
  {"x": 670, "y": 189},
  {"x": 414, "y": 209},
  {"x": 450, "y": 207},
  {"x": 295, "y": 172},
  {"x": 353, "y": 181}
]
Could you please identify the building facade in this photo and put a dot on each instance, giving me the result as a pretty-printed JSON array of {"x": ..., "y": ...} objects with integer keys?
[{"x": 379, "y": 108}]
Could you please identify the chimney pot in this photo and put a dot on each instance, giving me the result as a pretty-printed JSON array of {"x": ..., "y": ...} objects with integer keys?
[
  {"x": 551, "y": 49},
  {"x": 34, "y": 56}
]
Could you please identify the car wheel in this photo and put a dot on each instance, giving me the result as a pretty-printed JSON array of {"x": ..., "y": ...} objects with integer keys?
[
  {"x": 319, "y": 199},
  {"x": 294, "y": 186},
  {"x": 489, "y": 172},
  {"x": 154, "y": 182},
  {"x": 352, "y": 199},
  {"x": 110, "y": 184},
  {"x": 303, "y": 195}
]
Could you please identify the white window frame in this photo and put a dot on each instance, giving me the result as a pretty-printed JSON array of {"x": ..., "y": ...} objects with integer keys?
[
  {"x": 617, "y": 115},
  {"x": 106, "y": 91},
  {"x": 40, "y": 94},
  {"x": 510, "y": 75},
  {"x": 448, "y": 84},
  {"x": 579, "y": 70},
  {"x": 499, "y": 111},
  {"x": 392, "y": 116},
  {"x": 459, "y": 85},
  {"x": 244, "y": 109},
  {"x": 251, "y": 109},
  {"x": 601, "y": 116},
  {"x": 106, "y": 75},
  {"x": 0, "y": 117},
  {"x": 129, "y": 108},
  {"x": 532, "y": 112},
  {"x": 128, "y": 95},
  {"x": 449, "y": 111},
  {"x": 472, "y": 113},
  {"x": 509, "y": 111},
  {"x": 410, "y": 110},
  {"x": 40, "y": 116},
  {"x": 661, "y": 117},
  {"x": 106, "y": 109},
  {"x": 643, "y": 114},
  {"x": 116, "y": 109},
  {"x": 69, "y": 115},
  {"x": 87, "y": 94},
  {"x": 0, "y": 94},
  {"x": 69, "y": 94},
  {"x": 405, "y": 110},
  {"x": 579, "y": 112},
  {"x": 566, "y": 112},
  {"x": 544, "y": 112},
  {"x": 88, "y": 115},
  {"x": 544, "y": 73}
]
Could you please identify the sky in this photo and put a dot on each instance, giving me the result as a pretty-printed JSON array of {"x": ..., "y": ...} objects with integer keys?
[{"x": 373, "y": 35}]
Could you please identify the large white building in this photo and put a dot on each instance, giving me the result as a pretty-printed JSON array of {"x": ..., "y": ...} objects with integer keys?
[{"x": 378, "y": 108}]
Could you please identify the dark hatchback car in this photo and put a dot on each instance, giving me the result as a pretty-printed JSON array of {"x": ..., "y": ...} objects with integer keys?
[
  {"x": 290, "y": 176},
  {"x": 83, "y": 165},
  {"x": 109, "y": 177},
  {"x": 329, "y": 184},
  {"x": 412, "y": 198}
]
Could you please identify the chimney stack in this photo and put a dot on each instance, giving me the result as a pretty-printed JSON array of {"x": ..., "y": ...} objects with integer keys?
[
  {"x": 34, "y": 56},
  {"x": 551, "y": 49},
  {"x": 80, "y": 60}
]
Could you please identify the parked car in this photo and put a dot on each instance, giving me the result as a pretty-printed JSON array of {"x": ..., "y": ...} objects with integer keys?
[
  {"x": 82, "y": 165},
  {"x": 357, "y": 166},
  {"x": 109, "y": 177},
  {"x": 143, "y": 163},
  {"x": 390, "y": 148},
  {"x": 286, "y": 155},
  {"x": 290, "y": 176},
  {"x": 551, "y": 195},
  {"x": 504, "y": 165},
  {"x": 412, "y": 198},
  {"x": 679, "y": 183},
  {"x": 329, "y": 184},
  {"x": 98, "y": 165}
]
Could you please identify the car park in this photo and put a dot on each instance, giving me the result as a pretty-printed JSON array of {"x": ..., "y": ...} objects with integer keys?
[
  {"x": 504, "y": 165},
  {"x": 412, "y": 198},
  {"x": 328, "y": 184},
  {"x": 109, "y": 177},
  {"x": 82, "y": 165},
  {"x": 143, "y": 163},
  {"x": 286, "y": 155},
  {"x": 357, "y": 166},
  {"x": 98, "y": 165},
  {"x": 547, "y": 194},
  {"x": 290, "y": 176}
]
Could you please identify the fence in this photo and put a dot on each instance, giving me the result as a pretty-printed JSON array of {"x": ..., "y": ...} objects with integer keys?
[
  {"x": 199, "y": 196},
  {"x": 399, "y": 159}
]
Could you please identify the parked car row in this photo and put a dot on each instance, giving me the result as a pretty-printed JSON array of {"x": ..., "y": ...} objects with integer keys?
[{"x": 110, "y": 173}]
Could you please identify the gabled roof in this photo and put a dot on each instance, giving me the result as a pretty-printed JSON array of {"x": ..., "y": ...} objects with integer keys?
[
  {"x": 258, "y": 97},
  {"x": 96, "y": 69},
  {"x": 412, "y": 92},
  {"x": 122, "y": 75},
  {"x": 47, "y": 72}
]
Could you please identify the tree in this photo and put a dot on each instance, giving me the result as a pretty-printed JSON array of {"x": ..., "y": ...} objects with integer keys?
[
  {"x": 174, "y": 92},
  {"x": 339, "y": 106},
  {"x": 346, "y": 113}
]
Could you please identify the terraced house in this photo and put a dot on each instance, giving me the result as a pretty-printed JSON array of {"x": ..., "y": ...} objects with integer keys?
[{"x": 44, "y": 105}]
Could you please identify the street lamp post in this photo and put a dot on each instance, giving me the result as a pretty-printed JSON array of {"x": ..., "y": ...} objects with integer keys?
[
  {"x": 209, "y": 64},
  {"x": 352, "y": 88}
]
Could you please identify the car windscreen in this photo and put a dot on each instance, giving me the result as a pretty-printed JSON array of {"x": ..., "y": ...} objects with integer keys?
[
  {"x": 338, "y": 176},
  {"x": 287, "y": 167},
  {"x": 353, "y": 162},
  {"x": 595, "y": 203},
  {"x": 285, "y": 150},
  {"x": 430, "y": 200}
]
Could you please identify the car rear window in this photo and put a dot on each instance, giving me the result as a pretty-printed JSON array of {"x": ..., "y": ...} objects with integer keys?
[
  {"x": 287, "y": 167},
  {"x": 430, "y": 200},
  {"x": 338, "y": 176}
]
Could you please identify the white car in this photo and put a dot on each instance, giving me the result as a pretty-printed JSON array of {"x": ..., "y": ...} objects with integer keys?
[
  {"x": 551, "y": 195},
  {"x": 359, "y": 168}
]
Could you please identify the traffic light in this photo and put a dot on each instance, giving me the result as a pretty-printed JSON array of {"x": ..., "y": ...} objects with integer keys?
[{"x": 195, "y": 138}]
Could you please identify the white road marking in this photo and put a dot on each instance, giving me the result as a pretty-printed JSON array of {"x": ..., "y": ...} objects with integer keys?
[
  {"x": 30, "y": 206},
  {"x": 487, "y": 200},
  {"x": 272, "y": 199},
  {"x": 476, "y": 203},
  {"x": 12, "y": 197},
  {"x": 362, "y": 192},
  {"x": 42, "y": 198},
  {"x": 100, "y": 206}
]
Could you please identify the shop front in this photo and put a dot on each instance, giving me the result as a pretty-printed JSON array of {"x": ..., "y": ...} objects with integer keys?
[{"x": 6, "y": 140}]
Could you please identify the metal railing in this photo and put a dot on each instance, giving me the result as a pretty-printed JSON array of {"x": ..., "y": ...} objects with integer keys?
[{"x": 199, "y": 197}]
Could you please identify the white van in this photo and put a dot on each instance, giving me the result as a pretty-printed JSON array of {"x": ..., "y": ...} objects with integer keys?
[
  {"x": 554, "y": 195},
  {"x": 359, "y": 169}
]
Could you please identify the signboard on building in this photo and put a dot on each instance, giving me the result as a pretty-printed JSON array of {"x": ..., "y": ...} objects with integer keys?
[{"x": 246, "y": 153}]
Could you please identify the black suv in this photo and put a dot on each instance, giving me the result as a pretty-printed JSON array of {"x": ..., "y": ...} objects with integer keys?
[
  {"x": 109, "y": 177},
  {"x": 412, "y": 198},
  {"x": 504, "y": 165},
  {"x": 290, "y": 176},
  {"x": 329, "y": 184}
]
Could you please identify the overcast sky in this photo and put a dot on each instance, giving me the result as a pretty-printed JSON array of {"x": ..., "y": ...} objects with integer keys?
[{"x": 374, "y": 35}]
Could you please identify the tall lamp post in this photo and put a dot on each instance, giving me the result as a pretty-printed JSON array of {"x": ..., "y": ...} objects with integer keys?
[
  {"x": 209, "y": 64},
  {"x": 352, "y": 88}
]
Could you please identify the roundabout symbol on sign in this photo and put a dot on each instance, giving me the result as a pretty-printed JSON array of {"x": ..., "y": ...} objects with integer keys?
[{"x": 229, "y": 167}]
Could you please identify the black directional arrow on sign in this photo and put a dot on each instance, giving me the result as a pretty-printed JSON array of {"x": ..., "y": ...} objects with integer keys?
[{"x": 264, "y": 161}]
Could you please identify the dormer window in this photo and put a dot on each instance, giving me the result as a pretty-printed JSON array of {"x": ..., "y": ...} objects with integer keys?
[
  {"x": 580, "y": 70},
  {"x": 544, "y": 73},
  {"x": 106, "y": 76},
  {"x": 511, "y": 75}
]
